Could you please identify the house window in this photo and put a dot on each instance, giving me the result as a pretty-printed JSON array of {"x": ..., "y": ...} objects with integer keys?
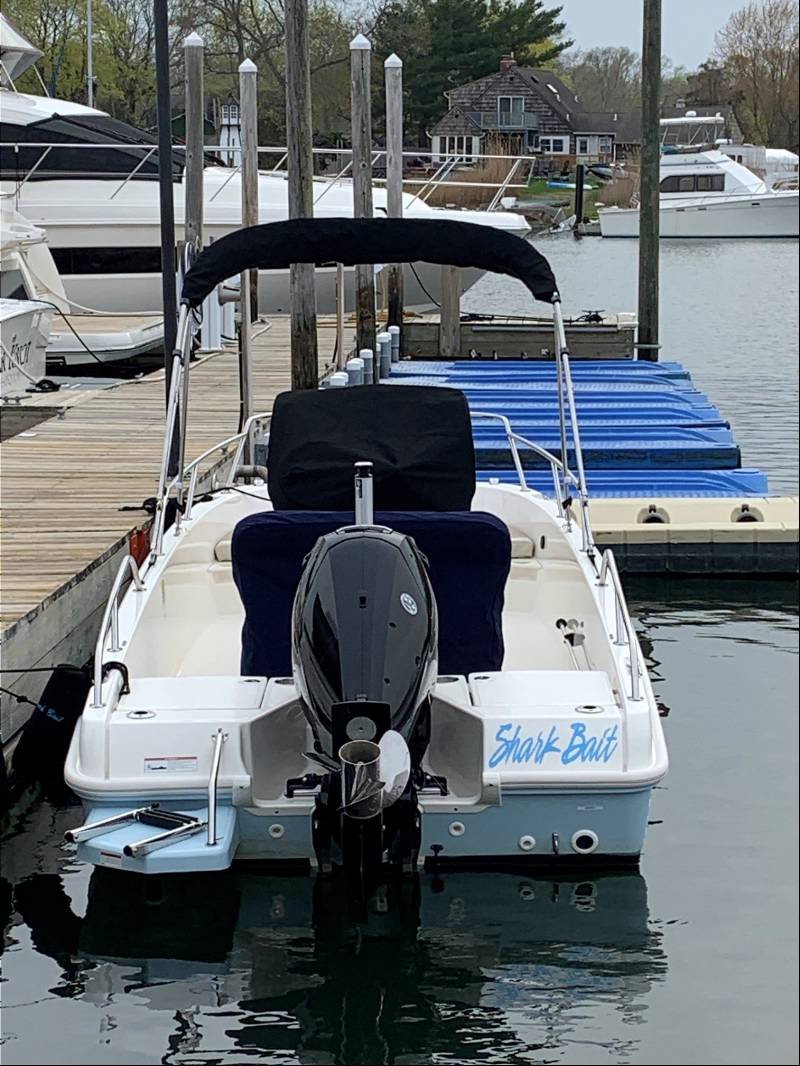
[
  {"x": 553, "y": 145},
  {"x": 604, "y": 146},
  {"x": 509, "y": 111},
  {"x": 532, "y": 140},
  {"x": 583, "y": 146}
]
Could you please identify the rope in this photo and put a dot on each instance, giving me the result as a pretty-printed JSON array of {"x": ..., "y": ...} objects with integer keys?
[{"x": 16, "y": 696}]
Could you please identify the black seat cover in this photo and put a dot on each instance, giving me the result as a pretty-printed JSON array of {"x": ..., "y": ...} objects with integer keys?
[
  {"x": 469, "y": 558},
  {"x": 418, "y": 438}
]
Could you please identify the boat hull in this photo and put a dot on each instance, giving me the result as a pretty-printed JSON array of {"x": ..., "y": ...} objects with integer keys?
[
  {"x": 772, "y": 215},
  {"x": 25, "y": 328},
  {"x": 533, "y": 827}
]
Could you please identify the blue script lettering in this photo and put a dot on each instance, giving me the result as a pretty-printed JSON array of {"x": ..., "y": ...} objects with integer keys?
[
  {"x": 589, "y": 749},
  {"x": 516, "y": 749},
  {"x": 513, "y": 747}
]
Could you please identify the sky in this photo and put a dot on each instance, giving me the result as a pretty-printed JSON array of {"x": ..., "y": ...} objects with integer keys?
[{"x": 687, "y": 26}]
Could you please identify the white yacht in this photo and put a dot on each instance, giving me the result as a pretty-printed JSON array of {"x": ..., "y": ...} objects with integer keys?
[
  {"x": 91, "y": 182},
  {"x": 28, "y": 273},
  {"x": 365, "y": 675},
  {"x": 706, "y": 194}
]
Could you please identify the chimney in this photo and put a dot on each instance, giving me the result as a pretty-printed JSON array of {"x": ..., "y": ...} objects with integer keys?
[{"x": 507, "y": 62}]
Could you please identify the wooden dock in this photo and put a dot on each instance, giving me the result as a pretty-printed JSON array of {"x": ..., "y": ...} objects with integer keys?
[{"x": 72, "y": 494}]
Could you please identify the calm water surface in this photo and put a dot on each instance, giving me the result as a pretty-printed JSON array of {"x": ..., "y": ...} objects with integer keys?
[{"x": 692, "y": 960}]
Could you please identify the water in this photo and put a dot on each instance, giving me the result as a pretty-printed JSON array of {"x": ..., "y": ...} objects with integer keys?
[{"x": 691, "y": 960}]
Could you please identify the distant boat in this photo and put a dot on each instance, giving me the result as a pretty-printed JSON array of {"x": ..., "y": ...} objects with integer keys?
[{"x": 706, "y": 194}]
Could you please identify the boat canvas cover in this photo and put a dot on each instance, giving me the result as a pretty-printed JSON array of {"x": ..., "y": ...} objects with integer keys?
[
  {"x": 418, "y": 438},
  {"x": 350, "y": 241}
]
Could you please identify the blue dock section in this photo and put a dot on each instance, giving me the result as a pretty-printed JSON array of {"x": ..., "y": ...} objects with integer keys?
[{"x": 646, "y": 430}]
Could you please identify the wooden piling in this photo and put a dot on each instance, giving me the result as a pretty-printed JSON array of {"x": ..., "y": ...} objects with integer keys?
[
  {"x": 248, "y": 117},
  {"x": 649, "y": 184},
  {"x": 300, "y": 164},
  {"x": 393, "y": 80},
  {"x": 361, "y": 117},
  {"x": 450, "y": 315},
  {"x": 193, "y": 87}
]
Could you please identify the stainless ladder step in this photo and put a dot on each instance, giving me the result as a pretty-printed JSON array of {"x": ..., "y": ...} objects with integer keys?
[{"x": 173, "y": 826}]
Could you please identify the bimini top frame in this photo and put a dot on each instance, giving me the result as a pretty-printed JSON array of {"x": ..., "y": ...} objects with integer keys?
[{"x": 278, "y": 245}]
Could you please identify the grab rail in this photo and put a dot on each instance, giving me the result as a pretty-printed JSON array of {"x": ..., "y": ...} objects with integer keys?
[
  {"x": 218, "y": 740},
  {"x": 623, "y": 625},
  {"x": 111, "y": 618}
]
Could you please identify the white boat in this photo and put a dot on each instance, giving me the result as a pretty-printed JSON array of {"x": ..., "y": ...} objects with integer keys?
[
  {"x": 706, "y": 194},
  {"x": 24, "y": 331},
  {"x": 28, "y": 272},
  {"x": 91, "y": 182},
  {"x": 287, "y": 679}
]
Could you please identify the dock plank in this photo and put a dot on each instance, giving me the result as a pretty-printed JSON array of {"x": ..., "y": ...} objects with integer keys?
[{"x": 63, "y": 483}]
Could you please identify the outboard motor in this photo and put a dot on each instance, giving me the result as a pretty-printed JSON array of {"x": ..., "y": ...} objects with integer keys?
[{"x": 364, "y": 658}]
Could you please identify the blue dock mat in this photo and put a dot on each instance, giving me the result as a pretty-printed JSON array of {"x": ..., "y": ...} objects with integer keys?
[
  {"x": 609, "y": 370},
  {"x": 635, "y": 483},
  {"x": 586, "y": 389},
  {"x": 493, "y": 451},
  {"x": 619, "y": 430},
  {"x": 547, "y": 417}
]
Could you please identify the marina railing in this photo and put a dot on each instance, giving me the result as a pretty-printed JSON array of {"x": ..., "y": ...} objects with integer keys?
[{"x": 447, "y": 167}]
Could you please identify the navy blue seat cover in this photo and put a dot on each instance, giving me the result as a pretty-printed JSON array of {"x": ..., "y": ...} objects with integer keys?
[{"x": 469, "y": 555}]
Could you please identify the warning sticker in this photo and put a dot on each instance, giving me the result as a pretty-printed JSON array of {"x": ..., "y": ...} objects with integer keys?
[
  {"x": 109, "y": 858},
  {"x": 170, "y": 764}
]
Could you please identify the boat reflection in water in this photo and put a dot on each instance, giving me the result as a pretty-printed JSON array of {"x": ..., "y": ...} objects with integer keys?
[{"x": 462, "y": 966}]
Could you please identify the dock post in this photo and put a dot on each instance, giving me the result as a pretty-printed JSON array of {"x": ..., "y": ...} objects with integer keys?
[
  {"x": 361, "y": 112},
  {"x": 393, "y": 79},
  {"x": 450, "y": 314},
  {"x": 579, "y": 172},
  {"x": 193, "y": 87},
  {"x": 169, "y": 296},
  {"x": 248, "y": 117},
  {"x": 248, "y": 281},
  {"x": 300, "y": 164},
  {"x": 647, "y": 346}
]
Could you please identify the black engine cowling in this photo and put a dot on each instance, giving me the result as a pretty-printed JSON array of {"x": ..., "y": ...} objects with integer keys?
[{"x": 364, "y": 630}]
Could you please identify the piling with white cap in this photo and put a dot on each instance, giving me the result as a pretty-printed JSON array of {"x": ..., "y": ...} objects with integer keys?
[
  {"x": 368, "y": 357},
  {"x": 355, "y": 371},
  {"x": 384, "y": 354},
  {"x": 394, "y": 333}
]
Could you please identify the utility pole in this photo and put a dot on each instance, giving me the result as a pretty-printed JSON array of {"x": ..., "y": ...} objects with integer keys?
[
  {"x": 361, "y": 111},
  {"x": 300, "y": 164},
  {"x": 648, "y": 344}
]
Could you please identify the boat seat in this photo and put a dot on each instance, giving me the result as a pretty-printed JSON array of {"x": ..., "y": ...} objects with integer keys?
[
  {"x": 522, "y": 547},
  {"x": 469, "y": 558}
]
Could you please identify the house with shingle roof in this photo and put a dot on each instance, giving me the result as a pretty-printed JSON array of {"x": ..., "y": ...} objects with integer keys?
[{"x": 535, "y": 113}]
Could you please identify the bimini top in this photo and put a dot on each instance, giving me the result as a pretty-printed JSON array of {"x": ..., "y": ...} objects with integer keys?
[{"x": 350, "y": 241}]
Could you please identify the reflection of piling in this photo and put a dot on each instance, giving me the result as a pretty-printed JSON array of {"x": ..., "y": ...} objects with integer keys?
[
  {"x": 360, "y": 58},
  {"x": 193, "y": 183},
  {"x": 649, "y": 182},
  {"x": 300, "y": 164},
  {"x": 393, "y": 72}
]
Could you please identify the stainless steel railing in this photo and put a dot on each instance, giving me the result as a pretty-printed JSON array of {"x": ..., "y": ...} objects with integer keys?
[
  {"x": 624, "y": 633},
  {"x": 111, "y": 621}
]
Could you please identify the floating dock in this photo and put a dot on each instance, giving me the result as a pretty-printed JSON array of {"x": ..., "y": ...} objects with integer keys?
[
  {"x": 669, "y": 493},
  {"x": 662, "y": 466}
]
